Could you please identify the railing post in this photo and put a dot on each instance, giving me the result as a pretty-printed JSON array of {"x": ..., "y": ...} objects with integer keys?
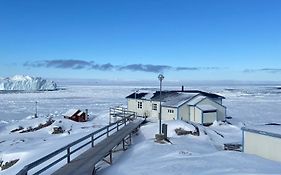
[
  {"x": 110, "y": 157},
  {"x": 124, "y": 115},
  {"x": 117, "y": 126},
  {"x": 123, "y": 141},
  {"x": 109, "y": 116},
  {"x": 107, "y": 131},
  {"x": 68, "y": 154},
  {"x": 92, "y": 140}
]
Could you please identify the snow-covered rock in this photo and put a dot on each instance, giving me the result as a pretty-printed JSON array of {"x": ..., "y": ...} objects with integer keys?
[{"x": 26, "y": 83}]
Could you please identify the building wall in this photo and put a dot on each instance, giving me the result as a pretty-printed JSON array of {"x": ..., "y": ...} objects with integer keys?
[
  {"x": 146, "y": 107},
  {"x": 262, "y": 145},
  {"x": 195, "y": 114},
  {"x": 209, "y": 117},
  {"x": 198, "y": 115},
  {"x": 155, "y": 113},
  {"x": 169, "y": 116},
  {"x": 221, "y": 111},
  {"x": 144, "y": 111},
  {"x": 184, "y": 113},
  {"x": 192, "y": 113}
]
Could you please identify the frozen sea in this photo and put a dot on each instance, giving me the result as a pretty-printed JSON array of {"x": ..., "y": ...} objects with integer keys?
[
  {"x": 246, "y": 104},
  {"x": 250, "y": 104}
]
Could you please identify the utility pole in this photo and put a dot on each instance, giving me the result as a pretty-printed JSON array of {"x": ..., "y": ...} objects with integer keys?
[
  {"x": 160, "y": 77},
  {"x": 36, "y": 114}
]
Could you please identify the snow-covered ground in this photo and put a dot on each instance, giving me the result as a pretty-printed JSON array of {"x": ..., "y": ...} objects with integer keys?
[
  {"x": 185, "y": 155},
  {"x": 247, "y": 105}
]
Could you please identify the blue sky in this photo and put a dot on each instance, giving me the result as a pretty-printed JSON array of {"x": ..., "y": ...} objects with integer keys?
[{"x": 137, "y": 39}]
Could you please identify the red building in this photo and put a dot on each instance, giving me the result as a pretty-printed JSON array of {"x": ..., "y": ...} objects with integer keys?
[{"x": 76, "y": 115}]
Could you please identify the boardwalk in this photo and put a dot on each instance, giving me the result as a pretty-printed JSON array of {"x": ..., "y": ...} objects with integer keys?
[{"x": 85, "y": 163}]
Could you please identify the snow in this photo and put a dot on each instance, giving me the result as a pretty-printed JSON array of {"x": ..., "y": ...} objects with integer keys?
[
  {"x": 149, "y": 94},
  {"x": 26, "y": 83},
  {"x": 183, "y": 156},
  {"x": 178, "y": 100},
  {"x": 196, "y": 100},
  {"x": 80, "y": 113},
  {"x": 204, "y": 154},
  {"x": 70, "y": 112}
]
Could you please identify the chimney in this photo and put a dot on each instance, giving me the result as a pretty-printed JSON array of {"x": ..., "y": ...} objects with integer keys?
[{"x": 182, "y": 88}]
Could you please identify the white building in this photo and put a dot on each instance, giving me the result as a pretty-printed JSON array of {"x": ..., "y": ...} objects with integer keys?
[
  {"x": 189, "y": 105},
  {"x": 263, "y": 141}
]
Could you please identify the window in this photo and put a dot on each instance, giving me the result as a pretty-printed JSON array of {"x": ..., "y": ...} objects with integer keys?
[
  {"x": 154, "y": 107},
  {"x": 170, "y": 111},
  {"x": 139, "y": 104}
]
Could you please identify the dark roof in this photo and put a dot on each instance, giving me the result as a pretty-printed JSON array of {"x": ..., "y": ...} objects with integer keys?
[
  {"x": 165, "y": 94},
  {"x": 137, "y": 95},
  {"x": 207, "y": 94}
]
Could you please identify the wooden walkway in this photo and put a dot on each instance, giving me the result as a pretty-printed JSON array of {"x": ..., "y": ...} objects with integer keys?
[{"x": 85, "y": 163}]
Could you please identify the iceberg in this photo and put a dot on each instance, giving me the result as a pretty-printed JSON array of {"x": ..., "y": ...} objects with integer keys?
[{"x": 26, "y": 83}]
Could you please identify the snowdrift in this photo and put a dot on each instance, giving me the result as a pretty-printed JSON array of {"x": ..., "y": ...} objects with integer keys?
[{"x": 26, "y": 83}]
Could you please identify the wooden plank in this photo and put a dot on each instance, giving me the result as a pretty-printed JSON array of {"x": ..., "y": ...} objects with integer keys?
[{"x": 85, "y": 163}]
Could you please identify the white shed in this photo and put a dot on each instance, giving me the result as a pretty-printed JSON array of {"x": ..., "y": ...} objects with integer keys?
[
  {"x": 204, "y": 110},
  {"x": 264, "y": 141}
]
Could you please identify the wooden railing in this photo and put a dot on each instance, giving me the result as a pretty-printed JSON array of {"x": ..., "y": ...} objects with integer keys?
[
  {"x": 68, "y": 151},
  {"x": 116, "y": 113}
]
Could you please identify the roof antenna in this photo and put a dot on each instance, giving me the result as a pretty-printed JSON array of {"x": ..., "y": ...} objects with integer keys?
[
  {"x": 182, "y": 88},
  {"x": 136, "y": 93}
]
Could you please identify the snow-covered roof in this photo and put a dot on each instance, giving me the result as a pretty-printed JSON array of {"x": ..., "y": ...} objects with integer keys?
[
  {"x": 270, "y": 130},
  {"x": 144, "y": 95},
  {"x": 206, "y": 108},
  {"x": 178, "y": 99},
  {"x": 70, "y": 112},
  {"x": 149, "y": 95},
  {"x": 196, "y": 100},
  {"x": 80, "y": 113},
  {"x": 173, "y": 99}
]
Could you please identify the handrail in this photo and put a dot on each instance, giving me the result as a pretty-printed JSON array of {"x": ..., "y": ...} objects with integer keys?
[{"x": 98, "y": 132}]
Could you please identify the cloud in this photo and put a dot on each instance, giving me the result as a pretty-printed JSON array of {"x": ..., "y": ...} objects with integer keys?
[
  {"x": 196, "y": 68},
  {"x": 267, "y": 70},
  {"x": 186, "y": 68},
  {"x": 145, "y": 68},
  {"x": 91, "y": 65},
  {"x": 63, "y": 64},
  {"x": 102, "y": 67}
]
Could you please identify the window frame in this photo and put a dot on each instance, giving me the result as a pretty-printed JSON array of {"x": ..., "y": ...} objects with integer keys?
[
  {"x": 171, "y": 111},
  {"x": 154, "y": 106},
  {"x": 139, "y": 105}
]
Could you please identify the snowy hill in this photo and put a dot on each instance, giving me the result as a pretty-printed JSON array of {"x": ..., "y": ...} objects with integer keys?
[{"x": 26, "y": 83}]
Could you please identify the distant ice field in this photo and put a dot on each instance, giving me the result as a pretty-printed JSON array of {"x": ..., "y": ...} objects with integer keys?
[{"x": 253, "y": 104}]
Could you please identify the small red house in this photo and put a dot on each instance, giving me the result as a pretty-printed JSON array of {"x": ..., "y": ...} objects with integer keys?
[{"x": 76, "y": 115}]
